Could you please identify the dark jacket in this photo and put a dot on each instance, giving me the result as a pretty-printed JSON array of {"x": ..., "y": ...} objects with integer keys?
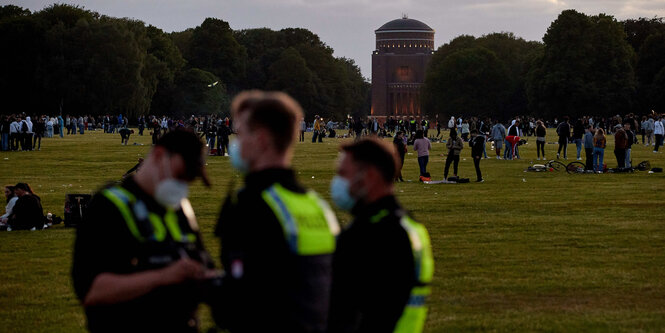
[
  {"x": 563, "y": 130},
  {"x": 268, "y": 288},
  {"x": 373, "y": 270},
  {"x": 27, "y": 213},
  {"x": 477, "y": 144},
  {"x": 104, "y": 243},
  {"x": 620, "y": 139},
  {"x": 578, "y": 130}
]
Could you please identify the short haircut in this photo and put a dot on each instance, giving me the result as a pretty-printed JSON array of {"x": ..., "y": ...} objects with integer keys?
[
  {"x": 376, "y": 153},
  {"x": 187, "y": 144},
  {"x": 275, "y": 112}
]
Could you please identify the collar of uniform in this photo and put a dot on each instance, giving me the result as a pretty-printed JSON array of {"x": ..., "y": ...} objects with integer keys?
[
  {"x": 368, "y": 211},
  {"x": 260, "y": 180}
]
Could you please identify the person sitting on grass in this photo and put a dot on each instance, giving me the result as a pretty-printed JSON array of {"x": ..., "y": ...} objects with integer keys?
[
  {"x": 477, "y": 143},
  {"x": 454, "y": 146},
  {"x": 124, "y": 135},
  {"x": 11, "y": 201},
  {"x": 27, "y": 213}
]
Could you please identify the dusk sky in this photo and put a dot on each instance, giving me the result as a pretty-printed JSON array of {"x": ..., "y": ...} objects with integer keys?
[{"x": 348, "y": 25}]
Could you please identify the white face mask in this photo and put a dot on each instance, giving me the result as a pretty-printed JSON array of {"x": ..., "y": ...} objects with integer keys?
[{"x": 170, "y": 191}]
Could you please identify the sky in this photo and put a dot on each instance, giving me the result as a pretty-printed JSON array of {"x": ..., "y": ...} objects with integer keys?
[{"x": 348, "y": 25}]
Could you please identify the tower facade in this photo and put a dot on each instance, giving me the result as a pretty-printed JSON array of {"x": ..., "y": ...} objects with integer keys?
[{"x": 403, "y": 49}]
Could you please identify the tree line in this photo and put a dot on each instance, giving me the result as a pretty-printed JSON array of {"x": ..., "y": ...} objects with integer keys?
[
  {"x": 586, "y": 65},
  {"x": 75, "y": 61}
]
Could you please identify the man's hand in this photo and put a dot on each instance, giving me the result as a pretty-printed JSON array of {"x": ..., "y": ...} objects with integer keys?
[{"x": 183, "y": 270}]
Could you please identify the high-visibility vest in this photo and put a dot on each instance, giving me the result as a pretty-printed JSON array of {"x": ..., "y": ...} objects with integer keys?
[
  {"x": 148, "y": 226},
  {"x": 310, "y": 226},
  {"x": 413, "y": 317}
]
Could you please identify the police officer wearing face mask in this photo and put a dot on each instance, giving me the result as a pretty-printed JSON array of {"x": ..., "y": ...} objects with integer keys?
[
  {"x": 277, "y": 237},
  {"x": 139, "y": 262},
  {"x": 383, "y": 264}
]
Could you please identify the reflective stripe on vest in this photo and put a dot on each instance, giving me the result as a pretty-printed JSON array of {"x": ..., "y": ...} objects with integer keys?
[
  {"x": 133, "y": 210},
  {"x": 415, "y": 311},
  {"x": 309, "y": 225}
]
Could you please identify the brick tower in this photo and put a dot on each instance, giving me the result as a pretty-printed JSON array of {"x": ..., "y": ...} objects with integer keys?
[{"x": 404, "y": 47}]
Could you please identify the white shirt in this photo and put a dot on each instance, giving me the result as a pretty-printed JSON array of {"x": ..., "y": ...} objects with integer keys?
[
  {"x": 658, "y": 128},
  {"x": 14, "y": 127},
  {"x": 10, "y": 207}
]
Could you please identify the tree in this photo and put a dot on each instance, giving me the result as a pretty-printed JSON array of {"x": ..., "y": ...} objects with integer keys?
[
  {"x": 637, "y": 31},
  {"x": 194, "y": 94},
  {"x": 469, "y": 82},
  {"x": 214, "y": 49},
  {"x": 291, "y": 75},
  {"x": 512, "y": 55},
  {"x": 650, "y": 64},
  {"x": 585, "y": 68}
]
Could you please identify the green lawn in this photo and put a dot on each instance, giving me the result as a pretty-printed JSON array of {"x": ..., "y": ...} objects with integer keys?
[{"x": 520, "y": 252}]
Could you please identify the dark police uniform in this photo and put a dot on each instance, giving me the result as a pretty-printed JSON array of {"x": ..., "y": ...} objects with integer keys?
[
  {"x": 382, "y": 270},
  {"x": 126, "y": 231},
  {"x": 277, "y": 245}
]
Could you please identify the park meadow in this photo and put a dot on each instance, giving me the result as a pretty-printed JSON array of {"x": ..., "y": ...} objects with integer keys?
[{"x": 522, "y": 251}]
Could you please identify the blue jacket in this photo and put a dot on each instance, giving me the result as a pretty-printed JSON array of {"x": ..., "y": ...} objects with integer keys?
[{"x": 588, "y": 140}]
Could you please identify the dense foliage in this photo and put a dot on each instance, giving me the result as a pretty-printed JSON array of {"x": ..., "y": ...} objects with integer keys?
[
  {"x": 586, "y": 65},
  {"x": 71, "y": 60}
]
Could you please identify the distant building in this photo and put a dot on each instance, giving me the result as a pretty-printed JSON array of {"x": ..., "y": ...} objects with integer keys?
[{"x": 404, "y": 47}]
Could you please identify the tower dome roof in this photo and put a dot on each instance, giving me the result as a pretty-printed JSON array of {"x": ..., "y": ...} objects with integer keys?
[{"x": 404, "y": 24}]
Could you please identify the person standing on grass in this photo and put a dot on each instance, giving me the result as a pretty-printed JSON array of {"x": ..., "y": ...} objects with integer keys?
[
  {"x": 223, "y": 133},
  {"x": 578, "y": 133},
  {"x": 498, "y": 135},
  {"x": 644, "y": 125},
  {"x": 620, "y": 143},
  {"x": 383, "y": 264},
  {"x": 49, "y": 127},
  {"x": 400, "y": 147},
  {"x": 659, "y": 131},
  {"x": 477, "y": 143},
  {"x": 541, "y": 134},
  {"x": 563, "y": 131},
  {"x": 588, "y": 147},
  {"x": 465, "y": 130},
  {"x": 513, "y": 132},
  {"x": 303, "y": 129},
  {"x": 61, "y": 124},
  {"x": 630, "y": 139},
  {"x": 277, "y": 237},
  {"x": 454, "y": 146},
  {"x": 422, "y": 146},
  {"x": 599, "y": 143},
  {"x": 5, "y": 127},
  {"x": 38, "y": 128},
  {"x": 139, "y": 263}
]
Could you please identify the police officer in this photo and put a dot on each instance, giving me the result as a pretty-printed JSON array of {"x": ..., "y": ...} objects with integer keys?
[
  {"x": 139, "y": 262},
  {"x": 383, "y": 264},
  {"x": 277, "y": 237}
]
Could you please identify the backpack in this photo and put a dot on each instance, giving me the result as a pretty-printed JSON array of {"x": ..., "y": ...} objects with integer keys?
[{"x": 24, "y": 127}]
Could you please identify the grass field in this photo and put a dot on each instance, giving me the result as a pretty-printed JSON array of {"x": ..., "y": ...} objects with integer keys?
[{"x": 520, "y": 252}]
